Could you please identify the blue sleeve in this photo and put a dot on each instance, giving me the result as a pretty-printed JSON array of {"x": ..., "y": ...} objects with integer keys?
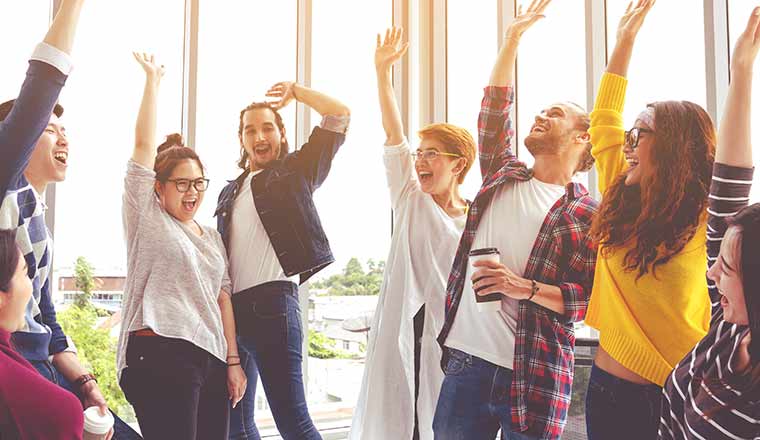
[
  {"x": 58, "y": 341},
  {"x": 314, "y": 159},
  {"x": 27, "y": 120}
]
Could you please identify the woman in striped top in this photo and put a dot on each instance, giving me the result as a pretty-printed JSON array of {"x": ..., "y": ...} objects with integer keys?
[{"x": 714, "y": 393}]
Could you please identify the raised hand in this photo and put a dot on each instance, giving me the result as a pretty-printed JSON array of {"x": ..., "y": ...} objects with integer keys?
[
  {"x": 148, "y": 63},
  {"x": 283, "y": 92},
  {"x": 746, "y": 48},
  {"x": 523, "y": 21},
  {"x": 389, "y": 50},
  {"x": 633, "y": 18}
]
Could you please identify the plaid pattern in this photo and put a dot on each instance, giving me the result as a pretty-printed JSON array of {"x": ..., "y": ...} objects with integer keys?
[{"x": 563, "y": 255}]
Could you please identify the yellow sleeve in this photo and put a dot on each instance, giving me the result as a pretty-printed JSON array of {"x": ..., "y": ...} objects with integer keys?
[{"x": 607, "y": 132}]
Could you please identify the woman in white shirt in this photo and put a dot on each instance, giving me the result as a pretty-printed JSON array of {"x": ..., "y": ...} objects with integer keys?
[{"x": 402, "y": 376}]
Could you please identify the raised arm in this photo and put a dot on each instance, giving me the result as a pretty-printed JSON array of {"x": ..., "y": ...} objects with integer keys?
[
  {"x": 286, "y": 91},
  {"x": 389, "y": 51},
  {"x": 145, "y": 129},
  {"x": 607, "y": 131},
  {"x": 62, "y": 31},
  {"x": 495, "y": 133}
]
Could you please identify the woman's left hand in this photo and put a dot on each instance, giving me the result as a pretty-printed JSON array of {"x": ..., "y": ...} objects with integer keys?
[{"x": 236, "y": 383}]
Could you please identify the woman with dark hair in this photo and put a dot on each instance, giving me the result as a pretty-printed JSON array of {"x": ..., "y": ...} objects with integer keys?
[
  {"x": 649, "y": 300},
  {"x": 59, "y": 414},
  {"x": 177, "y": 354},
  {"x": 714, "y": 393}
]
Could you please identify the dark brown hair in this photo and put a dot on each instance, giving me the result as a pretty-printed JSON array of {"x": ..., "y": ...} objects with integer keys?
[
  {"x": 284, "y": 147},
  {"x": 170, "y": 154},
  {"x": 9, "y": 255},
  {"x": 660, "y": 218},
  {"x": 455, "y": 140}
]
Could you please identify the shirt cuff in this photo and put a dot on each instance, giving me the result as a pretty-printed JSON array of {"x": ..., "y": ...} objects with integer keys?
[
  {"x": 71, "y": 348},
  {"x": 336, "y": 124},
  {"x": 53, "y": 56},
  {"x": 392, "y": 148}
]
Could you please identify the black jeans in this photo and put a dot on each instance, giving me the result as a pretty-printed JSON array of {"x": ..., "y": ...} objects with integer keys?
[
  {"x": 419, "y": 325},
  {"x": 621, "y": 410},
  {"x": 178, "y": 391}
]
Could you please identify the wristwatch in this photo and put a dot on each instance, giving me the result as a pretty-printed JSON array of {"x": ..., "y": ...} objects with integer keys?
[{"x": 83, "y": 379}]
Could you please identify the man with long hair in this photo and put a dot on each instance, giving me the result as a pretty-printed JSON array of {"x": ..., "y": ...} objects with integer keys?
[
  {"x": 275, "y": 241},
  {"x": 512, "y": 369}
]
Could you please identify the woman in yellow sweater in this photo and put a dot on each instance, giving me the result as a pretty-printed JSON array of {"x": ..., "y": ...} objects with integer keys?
[{"x": 649, "y": 300}]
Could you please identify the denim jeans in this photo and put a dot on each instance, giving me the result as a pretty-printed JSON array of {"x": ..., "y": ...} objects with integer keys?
[
  {"x": 272, "y": 347},
  {"x": 621, "y": 410},
  {"x": 121, "y": 431},
  {"x": 474, "y": 402}
]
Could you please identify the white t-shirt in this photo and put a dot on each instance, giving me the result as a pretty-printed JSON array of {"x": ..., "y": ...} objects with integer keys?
[
  {"x": 253, "y": 260},
  {"x": 510, "y": 223}
]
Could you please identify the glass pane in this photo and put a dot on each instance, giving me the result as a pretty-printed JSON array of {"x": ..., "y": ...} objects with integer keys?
[
  {"x": 24, "y": 24},
  {"x": 240, "y": 57},
  {"x": 353, "y": 202},
  {"x": 655, "y": 74},
  {"x": 470, "y": 54},
  {"x": 551, "y": 66},
  {"x": 101, "y": 100},
  {"x": 738, "y": 14}
]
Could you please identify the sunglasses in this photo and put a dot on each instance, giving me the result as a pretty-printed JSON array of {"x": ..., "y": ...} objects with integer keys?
[{"x": 633, "y": 135}]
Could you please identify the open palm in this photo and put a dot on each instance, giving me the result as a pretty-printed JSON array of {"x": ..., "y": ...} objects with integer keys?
[
  {"x": 524, "y": 20},
  {"x": 633, "y": 18},
  {"x": 390, "y": 49},
  {"x": 148, "y": 63},
  {"x": 746, "y": 48}
]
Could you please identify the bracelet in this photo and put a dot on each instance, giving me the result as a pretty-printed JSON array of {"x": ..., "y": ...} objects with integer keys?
[
  {"x": 233, "y": 356},
  {"x": 83, "y": 379},
  {"x": 233, "y": 364},
  {"x": 533, "y": 289}
]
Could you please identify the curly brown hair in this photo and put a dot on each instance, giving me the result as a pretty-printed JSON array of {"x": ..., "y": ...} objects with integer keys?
[{"x": 657, "y": 219}]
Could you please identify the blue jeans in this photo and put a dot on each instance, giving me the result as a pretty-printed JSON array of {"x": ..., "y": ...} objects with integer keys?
[
  {"x": 271, "y": 345},
  {"x": 474, "y": 402},
  {"x": 121, "y": 431},
  {"x": 619, "y": 409}
]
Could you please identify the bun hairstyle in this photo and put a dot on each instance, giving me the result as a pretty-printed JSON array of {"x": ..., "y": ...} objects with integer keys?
[
  {"x": 170, "y": 154},
  {"x": 9, "y": 255}
]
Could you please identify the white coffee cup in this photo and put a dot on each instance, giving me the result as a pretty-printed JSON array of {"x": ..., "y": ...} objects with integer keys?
[
  {"x": 96, "y": 426},
  {"x": 491, "y": 302}
]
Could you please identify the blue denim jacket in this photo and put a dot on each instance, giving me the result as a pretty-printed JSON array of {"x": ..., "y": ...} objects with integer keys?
[{"x": 282, "y": 194}]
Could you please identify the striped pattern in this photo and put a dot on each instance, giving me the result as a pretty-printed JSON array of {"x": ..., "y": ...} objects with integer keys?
[
  {"x": 563, "y": 255},
  {"x": 704, "y": 381}
]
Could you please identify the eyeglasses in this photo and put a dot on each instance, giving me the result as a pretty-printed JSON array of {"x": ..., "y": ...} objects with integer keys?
[
  {"x": 183, "y": 185},
  {"x": 430, "y": 155},
  {"x": 633, "y": 135}
]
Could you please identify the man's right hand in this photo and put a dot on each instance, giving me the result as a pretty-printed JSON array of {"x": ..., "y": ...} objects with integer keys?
[
  {"x": 523, "y": 21},
  {"x": 388, "y": 51}
]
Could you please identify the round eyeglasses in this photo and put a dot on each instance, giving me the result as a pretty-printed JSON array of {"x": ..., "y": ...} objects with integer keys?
[
  {"x": 183, "y": 185},
  {"x": 633, "y": 135}
]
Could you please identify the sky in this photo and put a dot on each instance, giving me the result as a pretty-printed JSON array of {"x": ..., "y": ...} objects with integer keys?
[{"x": 244, "y": 48}]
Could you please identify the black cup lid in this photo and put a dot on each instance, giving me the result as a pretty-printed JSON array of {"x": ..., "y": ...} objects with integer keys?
[{"x": 484, "y": 251}]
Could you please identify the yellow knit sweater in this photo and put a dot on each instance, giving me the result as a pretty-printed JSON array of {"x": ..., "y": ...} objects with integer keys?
[{"x": 649, "y": 324}]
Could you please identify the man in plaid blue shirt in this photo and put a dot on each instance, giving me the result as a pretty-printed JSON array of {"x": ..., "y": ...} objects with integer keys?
[{"x": 512, "y": 369}]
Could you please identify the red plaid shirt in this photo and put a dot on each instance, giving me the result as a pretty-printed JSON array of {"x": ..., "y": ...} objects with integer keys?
[{"x": 563, "y": 255}]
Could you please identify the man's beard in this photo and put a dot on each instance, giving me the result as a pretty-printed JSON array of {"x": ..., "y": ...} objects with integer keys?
[{"x": 541, "y": 146}]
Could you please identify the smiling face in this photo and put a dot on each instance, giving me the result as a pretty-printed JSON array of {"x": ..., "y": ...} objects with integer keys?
[
  {"x": 640, "y": 158},
  {"x": 261, "y": 137},
  {"x": 726, "y": 274},
  {"x": 181, "y": 205},
  {"x": 13, "y": 302},
  {"x": 554, "y": 128},
  {"x": 438, "y": 175},
  {"x": 50, "y": 156}
]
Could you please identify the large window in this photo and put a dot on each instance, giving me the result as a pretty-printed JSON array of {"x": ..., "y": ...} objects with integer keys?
[
  {"x": 101, "y": 99},
  {"x": 244, "y": 48},
  {"x": 471, "y": 48},
  {"x": 551, "y": 66},
  {"x": 738, "y": 14},
  {"x": 22, "y": 26},
  {"x": 668, "y": 61}
]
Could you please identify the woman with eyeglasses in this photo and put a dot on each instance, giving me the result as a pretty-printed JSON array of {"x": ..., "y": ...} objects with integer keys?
[
  {"x": 649, "y": 300},
  {"x": 402, "y": 376},
  {"x": 177, "y": 355}
]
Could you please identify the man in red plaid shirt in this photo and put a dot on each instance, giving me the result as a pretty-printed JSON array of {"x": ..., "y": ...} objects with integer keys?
[{"x": 512, "y": 369}]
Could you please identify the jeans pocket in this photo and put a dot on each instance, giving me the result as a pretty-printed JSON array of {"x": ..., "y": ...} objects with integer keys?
[
  {"x": 271, "y": 307},
  {"x": 457, "y": 360}
]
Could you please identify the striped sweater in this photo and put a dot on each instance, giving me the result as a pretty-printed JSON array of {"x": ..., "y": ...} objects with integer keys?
[{"x": 704, "y": 379}]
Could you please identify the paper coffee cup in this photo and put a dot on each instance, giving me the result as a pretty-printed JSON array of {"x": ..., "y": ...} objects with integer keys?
[
  {"x": 492, "y": 302},
  {"x": 96, "y": 426}
]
